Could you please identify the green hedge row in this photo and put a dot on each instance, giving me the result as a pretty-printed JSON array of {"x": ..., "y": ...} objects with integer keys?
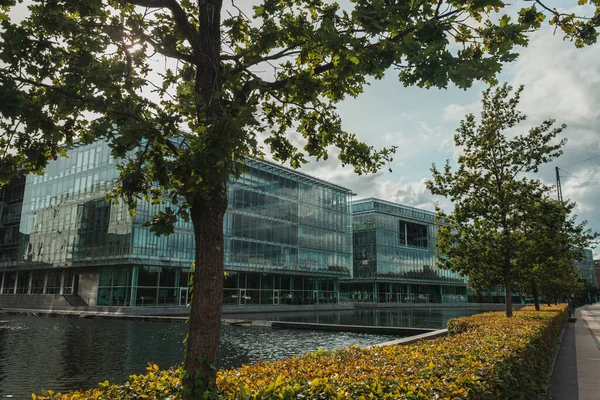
[{"x": 486, "y": 356}]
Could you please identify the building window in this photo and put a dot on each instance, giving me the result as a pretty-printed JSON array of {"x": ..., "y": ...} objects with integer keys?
[
  {"x": 53, "y": 283},
  {"x": 411, "y": 234},
  {"x": 37, "y": 282},
  {"x": 9, "y": 283}
]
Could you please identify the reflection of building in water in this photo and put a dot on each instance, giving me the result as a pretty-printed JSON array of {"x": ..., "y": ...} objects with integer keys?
[
  {"x": 287, "y": 239},
  {"x": 394, "y": 259}
]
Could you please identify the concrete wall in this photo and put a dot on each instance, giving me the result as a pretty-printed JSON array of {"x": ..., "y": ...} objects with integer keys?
[
  {"x": 479, "y": 306},
  {"x": 35, "y": 301}
]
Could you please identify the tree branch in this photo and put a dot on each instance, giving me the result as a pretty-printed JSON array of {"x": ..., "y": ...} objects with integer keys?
[
  {"x": 181, "y": 20},
  {"x": 555, "y": 11},
  {"x": 95, "y": 102},
  {"x": 283, "y": 53},
  {"x": 330, "y": 65},
  {"x": 437, "y": 9},
  {"x": 171, "y": 53}
]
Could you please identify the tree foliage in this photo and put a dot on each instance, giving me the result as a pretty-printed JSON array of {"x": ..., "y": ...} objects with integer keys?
[
  {"x": 553, "y": 241},
  {"x": 505, "y": 229},
  {"x": 137, "y": 72},
  {"x": 492, "y": 194}
]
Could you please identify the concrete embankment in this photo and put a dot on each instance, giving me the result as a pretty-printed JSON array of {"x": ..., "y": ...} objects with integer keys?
[{"x": 379, "y": 330}]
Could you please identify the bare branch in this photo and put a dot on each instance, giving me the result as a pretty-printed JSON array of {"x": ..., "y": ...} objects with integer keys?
[
  {"x": 555, "y": 11},
  {"x": 240, "y": 11},
  {"x": 283, "y": 53},
  {"x": 437, "y": 9}
]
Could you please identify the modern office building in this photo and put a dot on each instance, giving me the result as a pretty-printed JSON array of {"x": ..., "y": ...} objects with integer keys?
[
  {"x": 394, "y": 259},
  {"x": 287, "y": 239}
]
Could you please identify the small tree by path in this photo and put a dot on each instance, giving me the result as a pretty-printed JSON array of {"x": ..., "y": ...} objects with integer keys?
[{"x": 553, "y": 241}]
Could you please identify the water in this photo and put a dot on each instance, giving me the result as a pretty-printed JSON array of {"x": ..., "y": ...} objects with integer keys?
[
  {"x": 70, "y": 353},
  {"x": 429, "y": 318},
  {"x": 62, "y": 354}
]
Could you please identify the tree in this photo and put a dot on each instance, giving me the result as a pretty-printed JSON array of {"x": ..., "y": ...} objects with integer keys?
[
  {"x": 553, "y": 241},
  {"x": 483, "y": 236},
  {"x": 83, "y": 69}
]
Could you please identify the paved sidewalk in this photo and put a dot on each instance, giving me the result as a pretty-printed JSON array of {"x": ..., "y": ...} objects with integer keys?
[{"x": 576, "y": 374}]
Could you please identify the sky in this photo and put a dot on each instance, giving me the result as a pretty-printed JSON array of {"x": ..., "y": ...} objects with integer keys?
[{"x": 561, "y": 82}]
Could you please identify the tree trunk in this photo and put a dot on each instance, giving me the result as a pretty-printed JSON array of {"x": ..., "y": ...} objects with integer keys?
[
  {"x": 207, "y": 208},
  {"x": 507, "y": 290},
  {"x": 202, "y": 351},
  {"x": 536, "y": 297}
]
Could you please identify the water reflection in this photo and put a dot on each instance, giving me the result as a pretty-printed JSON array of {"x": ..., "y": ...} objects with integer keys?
[
  {"x": 70, "y": 353},
  {"x": 430, "y": 318}
]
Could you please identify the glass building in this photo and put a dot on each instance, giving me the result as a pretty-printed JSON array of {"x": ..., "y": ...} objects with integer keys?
[
  {"x": 394, "y": 258},
  {"x": 586, "y": 267},
  {"x": 287, "y": 238}
]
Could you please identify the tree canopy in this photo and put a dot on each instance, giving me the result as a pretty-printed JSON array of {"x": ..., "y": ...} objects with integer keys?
[
  {"x": 552, "y": 241},
  {"x": 138, "y": 72},
  {"x": 491, "y": 191}
]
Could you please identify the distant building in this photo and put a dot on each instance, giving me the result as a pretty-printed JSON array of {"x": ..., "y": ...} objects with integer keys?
[
  {"x": 287, "y": 239},
  {"x": 597, "y": 271},
  {"x": 394, "y": 259},
  {"x": 586, "y": 267}
]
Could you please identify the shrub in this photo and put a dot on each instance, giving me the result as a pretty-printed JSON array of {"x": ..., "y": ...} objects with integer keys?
[
  {"x": 563, "y": 307},
  {"x": 485, "y": 356},
  {"x": 155, "y": 384}
]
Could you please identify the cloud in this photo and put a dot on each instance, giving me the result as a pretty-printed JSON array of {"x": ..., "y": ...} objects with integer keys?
[
  {"x": 456, "y": 112},
  {"x": 563, "y": 83}
]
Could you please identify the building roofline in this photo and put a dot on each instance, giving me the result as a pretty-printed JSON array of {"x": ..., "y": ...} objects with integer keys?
[
  {"x": 302, "y": 174},
  {"x": 375, "y": 199},
  {"x": 78, "y": 143}
]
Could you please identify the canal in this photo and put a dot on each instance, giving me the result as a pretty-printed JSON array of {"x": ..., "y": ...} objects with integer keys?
[
  {"x": 61, "y": 353},
  {"x": 428, "y": 318}
]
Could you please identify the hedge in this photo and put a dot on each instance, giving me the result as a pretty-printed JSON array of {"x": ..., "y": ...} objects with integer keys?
[
  {"x": 552, "y": 307},
  {"x": 485, "y": 356}
]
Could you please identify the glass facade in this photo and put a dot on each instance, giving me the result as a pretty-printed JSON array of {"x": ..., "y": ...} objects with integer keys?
[
  {"x": 66, "y": 221},
  {"x": 287, "y": 238},
  {"x": 586, "y": 267},
  {"x": 394, "y": 258},
  {"x": 280, "y": 220}
]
